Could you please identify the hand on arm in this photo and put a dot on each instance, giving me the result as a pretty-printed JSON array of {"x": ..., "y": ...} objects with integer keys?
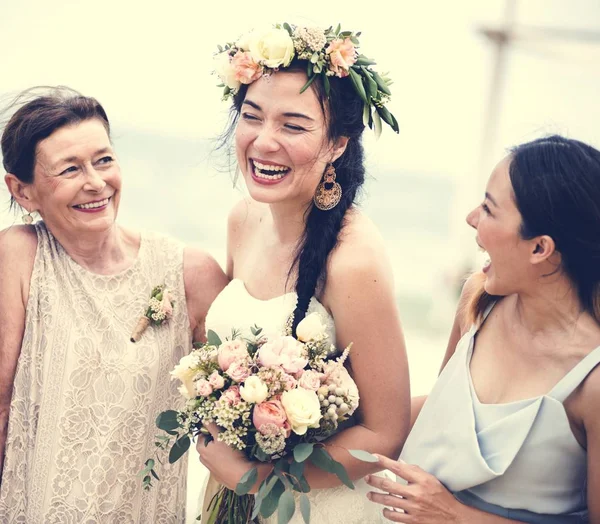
[{"x": 423, "y": 500}]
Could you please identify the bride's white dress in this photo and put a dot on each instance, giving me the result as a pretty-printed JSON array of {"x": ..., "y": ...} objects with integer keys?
[{"x": 236, "y": 308}]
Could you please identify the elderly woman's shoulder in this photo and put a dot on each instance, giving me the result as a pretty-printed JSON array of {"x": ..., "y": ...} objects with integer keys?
[{"x": 18, "y": 241}]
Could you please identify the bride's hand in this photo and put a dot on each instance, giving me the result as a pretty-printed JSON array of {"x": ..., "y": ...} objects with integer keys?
[
  {"x": 424, "y": 500},
  {"x": 226, "y": 464}
]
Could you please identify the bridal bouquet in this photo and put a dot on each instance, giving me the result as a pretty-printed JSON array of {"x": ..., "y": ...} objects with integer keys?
[{"x": 273, "y": 397}]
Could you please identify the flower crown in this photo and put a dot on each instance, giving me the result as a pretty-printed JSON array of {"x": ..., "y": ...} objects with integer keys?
[{"x": 327, "y": 53}]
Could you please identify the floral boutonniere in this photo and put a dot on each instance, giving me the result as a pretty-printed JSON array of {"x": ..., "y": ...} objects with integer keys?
[{"x": 159, "y": 310}]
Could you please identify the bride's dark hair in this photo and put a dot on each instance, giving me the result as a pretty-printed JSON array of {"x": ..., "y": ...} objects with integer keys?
[{"x": 343, "y": 111}]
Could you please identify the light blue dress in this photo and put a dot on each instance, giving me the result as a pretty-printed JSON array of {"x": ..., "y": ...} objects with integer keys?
[{"x": 518, "y": 460}]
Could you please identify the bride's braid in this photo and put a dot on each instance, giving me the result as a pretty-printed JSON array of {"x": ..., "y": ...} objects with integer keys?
[{"x": 343, "y": 116}]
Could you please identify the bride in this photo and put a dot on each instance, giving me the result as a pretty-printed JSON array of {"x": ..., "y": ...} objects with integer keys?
[{"x": 298, "y": 245}]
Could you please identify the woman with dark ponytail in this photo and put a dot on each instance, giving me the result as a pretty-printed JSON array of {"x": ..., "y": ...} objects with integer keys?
[
  {"x": 511, "y": 430},
  {"x": 300, "y": 245}
]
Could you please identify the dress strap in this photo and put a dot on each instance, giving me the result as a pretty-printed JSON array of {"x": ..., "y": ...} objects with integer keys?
[{"x": 576, "y": 376}]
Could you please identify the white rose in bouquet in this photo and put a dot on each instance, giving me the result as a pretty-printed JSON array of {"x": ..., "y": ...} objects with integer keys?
[
  {"x": 310, "y": 328},
  {"x": 302, "y": 408},
  {"x": 254, "y": 390}
]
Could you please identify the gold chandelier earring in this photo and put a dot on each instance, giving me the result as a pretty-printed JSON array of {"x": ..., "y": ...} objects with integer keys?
[{"x": 329, "y": 192}]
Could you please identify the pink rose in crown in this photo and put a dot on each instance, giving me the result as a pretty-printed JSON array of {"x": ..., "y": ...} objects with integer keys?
[
  {"x": 230, "y": 351},
  {"x": 239, "y": 371},
  {"x": 271, "y": 412},
  {"x": 342, "y": 55},
  {"x": 232, "y": 396},
  {"x": 203, "y": 388},
  {"x": 246, "y": 69},
  {"x": 283, "y": 352}
]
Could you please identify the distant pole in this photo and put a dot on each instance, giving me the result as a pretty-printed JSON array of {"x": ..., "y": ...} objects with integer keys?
[{"x": 501, "y": 39}]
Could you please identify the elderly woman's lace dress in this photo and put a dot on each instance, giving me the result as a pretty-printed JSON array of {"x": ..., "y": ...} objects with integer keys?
[{"x": 85, "y": 399}]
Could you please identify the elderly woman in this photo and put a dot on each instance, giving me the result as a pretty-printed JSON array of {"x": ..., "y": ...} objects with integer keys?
[
  {"x": 80, "y": 422},
  {"x": 511, "y": 430}
]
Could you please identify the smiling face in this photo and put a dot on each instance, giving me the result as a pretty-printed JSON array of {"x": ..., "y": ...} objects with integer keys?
[
  {"x": 512, "y": 260},
  {"x": 77, "y": 180},
  {"x": 281, "y": 139}
]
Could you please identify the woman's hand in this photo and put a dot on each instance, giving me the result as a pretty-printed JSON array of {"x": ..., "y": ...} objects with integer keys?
[
  {"x": 424, "y": 500},
  {"x": 225, "y": 463}
]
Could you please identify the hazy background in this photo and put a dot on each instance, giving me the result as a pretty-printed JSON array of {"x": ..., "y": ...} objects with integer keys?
[{"x": 459, "y": 106}]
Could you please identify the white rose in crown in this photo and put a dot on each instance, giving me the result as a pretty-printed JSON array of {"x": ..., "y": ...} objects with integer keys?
[
  {"x": 310, "y": 328},
  {"x": 272, "y": 48},
  {"x": 243, "y": 41},
  {"x": 302, "y": 408},
  {"x": 186, "y": 371},
  {"x": 225, "y": 70},
  {"x": 254, "y": 390}
]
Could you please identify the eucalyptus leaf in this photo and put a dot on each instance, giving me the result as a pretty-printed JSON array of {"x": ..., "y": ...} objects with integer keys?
[
  {"x": 354, "y": 40},
  {"x": 154, "y": 474},
  {"x": 246, "y": 482},
  {"x": 342, "y": 474},
  {"x": 263, "y": 491},
  {"x": 305, "y": 508},
  {"x": 167, "y": 420},
  {"x": 271, "y": 500},
  {"x": 322, "y": 460},
  {"x": 297, "y": 469},
  {"x": 287, "y": 27},
  {"x": 179, "y": 448},
  {"x": 337, "y": 29},
  {"x": 286, "y": 508},
  {"x": 303, "y": 451},
  {"x": 212, "y": 338},
  {"x": 360, "y": 454}
]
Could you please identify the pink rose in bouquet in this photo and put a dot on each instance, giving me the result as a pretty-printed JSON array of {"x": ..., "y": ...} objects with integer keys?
[
  {"x": 284, "y": 352},
  {"x": 239, "y": 370},
  {"x": 231, "y": 351},
  {"x": 270, "y": 412}
]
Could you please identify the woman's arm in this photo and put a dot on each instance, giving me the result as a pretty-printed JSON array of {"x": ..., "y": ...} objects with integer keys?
[
  {"x": 360, "y": 294},
  {"x": 459, "y": 328},
  {"x": 203, "y": 280},
  {"x": 17, "y": 253},
  {"x": 590, "y": 399}
]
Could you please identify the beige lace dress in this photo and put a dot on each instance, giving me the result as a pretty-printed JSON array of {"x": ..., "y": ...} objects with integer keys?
[{"x": 85, "y": 399}]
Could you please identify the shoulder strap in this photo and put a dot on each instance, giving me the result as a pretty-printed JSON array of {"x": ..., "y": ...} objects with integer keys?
[{"x": 576, "y": 376}]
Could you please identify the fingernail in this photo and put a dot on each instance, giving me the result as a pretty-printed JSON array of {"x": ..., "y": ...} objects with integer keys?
[
  {"x": 369, "y": 495},
  {"x": 368, "y": 479}
]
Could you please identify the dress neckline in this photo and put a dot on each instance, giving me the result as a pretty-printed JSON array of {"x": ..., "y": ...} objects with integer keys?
[
  {"x": 120, "y": 274},
  {"x": 240, "y": 282},
  {"x": 520, "y": 402}
]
